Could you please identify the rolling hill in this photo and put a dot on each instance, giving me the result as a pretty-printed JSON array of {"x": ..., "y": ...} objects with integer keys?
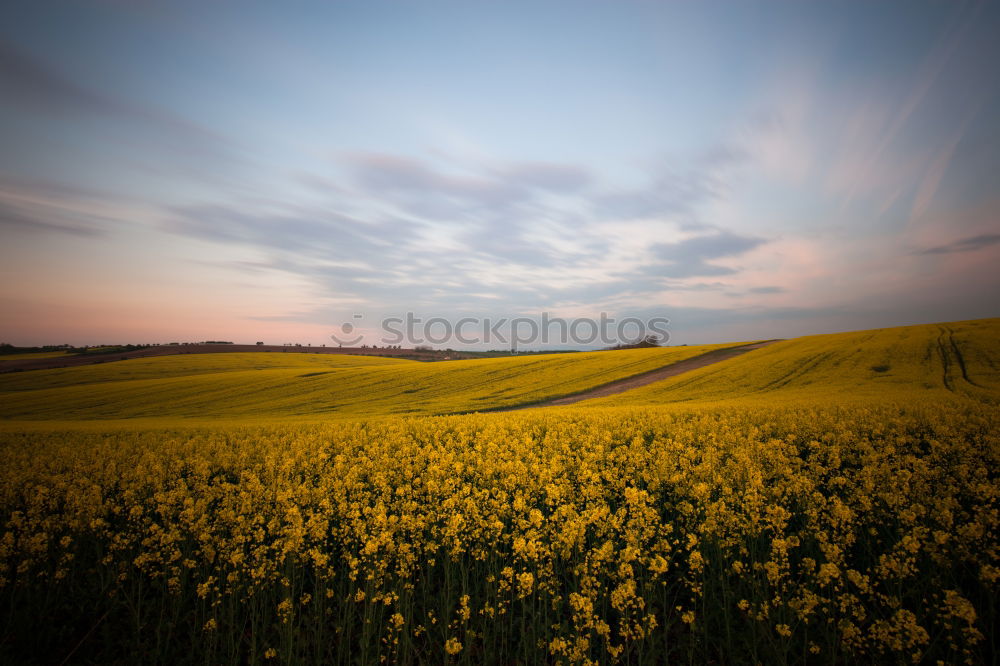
[
  {"x": 935, "y": 361},
  {"x": 938, "y": 361},
  {"x": 268, "y": 386}
]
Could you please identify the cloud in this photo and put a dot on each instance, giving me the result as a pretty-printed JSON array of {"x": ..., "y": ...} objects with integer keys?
[
  {"x": 926, "y": 77},
  {"x": 379, "y": 260},
  {"x": 552, "y": 224},
  {"x": 13, "y": 218},
  {"x": 310, "y": 233},
  {"x": 39, "y": 206},
  {"x": 970, "y": 244},
  {"x": 511, "y": 243},
  {"x": 505, "y": 188},
  {"x": 30, "y": 82},
  {"x": 509, "y": 235},
  {"x": 891, "y": 144},
  {"x": 669, "y": 194},
  {"x": 674, "y": 192},
  {"x": 496, "y": 213},
  {"x": 714, "y": 246},
  {"x": 940, "y": 164},
  {"x": 691, "y": 257},
  {"x": 546, "y": 176},
  {"x": 393, "y": 175}
]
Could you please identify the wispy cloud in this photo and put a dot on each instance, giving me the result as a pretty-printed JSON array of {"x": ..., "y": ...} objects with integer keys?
[
  {"x": 546, "y": 176},
  {"x": 46, "y": 207},
  {"x": 971, "y": 244},
  {"x": 18, "y": 218},
  {"x": 693, "y": 256},
  {"x": 525, "y": 234},
  {"x": 391, "y": 175},
  {"x": 926, "y": 77},
  {"x": 30, "y": 82},
  {"x": 310, "y": 235},
  {"x": 676, "y": 191},
  {"x": 939, "y": 165}
]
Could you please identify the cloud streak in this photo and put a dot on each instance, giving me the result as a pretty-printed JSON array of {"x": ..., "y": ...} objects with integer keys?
[
  {"x": 40, "y": 207},
  {"x": 676, "y": 192},
  {"x": 29, "y": 82},
  {"x": 13, "y": 218},
  {"x": 693, "y": 257},
  {"x": 970, "y": 244}
]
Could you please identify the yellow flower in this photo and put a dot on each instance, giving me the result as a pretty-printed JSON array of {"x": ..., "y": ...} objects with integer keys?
[
  {"x": 525, "y": 582},
  {"x": 285, "y": 609}
]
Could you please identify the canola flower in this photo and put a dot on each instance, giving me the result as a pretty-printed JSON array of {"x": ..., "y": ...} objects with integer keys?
[{"x": 786, "y": 533}]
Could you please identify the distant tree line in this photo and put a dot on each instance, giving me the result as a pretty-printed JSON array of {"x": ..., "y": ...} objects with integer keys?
[
  {"x": 110, "y": 349},
  {"x": 7, "y": 348}
]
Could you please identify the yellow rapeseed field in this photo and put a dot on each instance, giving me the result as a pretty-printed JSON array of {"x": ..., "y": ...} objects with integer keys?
[
  {"x": 837, "y": 514},
  {"x": 269, "y": 386},
  {"x": 931, "y": 361},
  {"x": 30, "y": 356}
]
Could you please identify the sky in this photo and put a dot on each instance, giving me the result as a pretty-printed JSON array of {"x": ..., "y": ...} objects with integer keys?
[{"x": 174, "y": 171}]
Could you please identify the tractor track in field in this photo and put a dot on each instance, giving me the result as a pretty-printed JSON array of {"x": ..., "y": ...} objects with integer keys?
[
  {"x": 958, "y": 357},
  {"x": 635, "y": 381},
  {"x": 945, "y": 359},
  {"x": 948, "y": 348}
]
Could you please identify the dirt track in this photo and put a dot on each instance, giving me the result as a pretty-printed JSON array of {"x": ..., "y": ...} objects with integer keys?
[{"x": 622, "y": 385}]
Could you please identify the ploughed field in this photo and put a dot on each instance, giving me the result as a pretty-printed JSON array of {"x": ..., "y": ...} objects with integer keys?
[{"x": 828, "y": 499}]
